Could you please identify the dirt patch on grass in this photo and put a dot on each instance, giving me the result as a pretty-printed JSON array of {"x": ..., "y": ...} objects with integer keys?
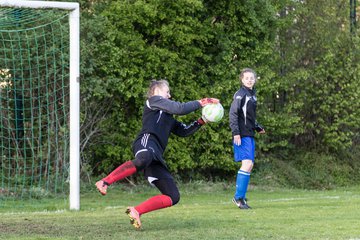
[{"x": 29, "y": 227}]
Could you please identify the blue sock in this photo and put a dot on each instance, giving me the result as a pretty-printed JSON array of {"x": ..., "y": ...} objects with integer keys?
[{"x": 242, "y": 182}]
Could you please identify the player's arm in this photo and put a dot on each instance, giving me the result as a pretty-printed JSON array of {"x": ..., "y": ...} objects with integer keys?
[
  {"x": 183, "y": 130},
  {"x": 172, "y": 107},
  {"x": 234, "y": 120},
  {"x": 234, "y": 116},
  {"x": 178, "y": 108}
]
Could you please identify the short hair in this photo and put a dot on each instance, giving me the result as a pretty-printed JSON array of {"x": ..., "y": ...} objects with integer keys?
[
  {"x": 155, "y": 84},
  {"x": 245, "y": 70}
]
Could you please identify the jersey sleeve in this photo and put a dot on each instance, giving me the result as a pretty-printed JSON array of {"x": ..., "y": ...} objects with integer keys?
[
  {"x": 183, "y": 130},
  {"x": 172, "y": 107},
  {"x": 234, "y": 115},
  {"x": 258, "y": 127}
]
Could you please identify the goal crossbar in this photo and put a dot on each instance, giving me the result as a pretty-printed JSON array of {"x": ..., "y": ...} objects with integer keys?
[
  {"x": 40, "y": 4},
  {"x": 74, "y": 82}
]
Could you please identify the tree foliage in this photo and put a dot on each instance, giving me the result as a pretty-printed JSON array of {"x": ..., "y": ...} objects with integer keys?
[
  {"x": 320, "y": 71},
  {"x": 303, "y": 52}
]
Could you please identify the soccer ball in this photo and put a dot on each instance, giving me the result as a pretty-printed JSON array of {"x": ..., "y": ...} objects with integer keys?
[{"x": 213, "y": 112}]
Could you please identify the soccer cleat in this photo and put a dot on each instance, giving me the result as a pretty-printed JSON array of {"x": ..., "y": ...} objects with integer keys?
[
  {"x": 101, "y": 186},
  {"x": 134, "y": 217},
  {"x": 241, "y": 203}
]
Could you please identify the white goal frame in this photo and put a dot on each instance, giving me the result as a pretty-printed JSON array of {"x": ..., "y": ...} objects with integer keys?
[{"x": 74, "y": 26}]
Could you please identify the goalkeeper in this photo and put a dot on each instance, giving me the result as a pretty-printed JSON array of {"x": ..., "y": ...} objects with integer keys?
[{"x": 148, "y": 148}]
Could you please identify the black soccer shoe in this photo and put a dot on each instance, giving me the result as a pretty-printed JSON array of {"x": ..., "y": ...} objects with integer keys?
[{"x": 241, "y": 203}]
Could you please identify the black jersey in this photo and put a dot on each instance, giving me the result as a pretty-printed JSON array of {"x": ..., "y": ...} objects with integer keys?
[
  {"x": 158, "y": 120},
  {"x": 242, "y": 115}
]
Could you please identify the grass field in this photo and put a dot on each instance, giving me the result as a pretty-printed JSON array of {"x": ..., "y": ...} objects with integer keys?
[{"x": 204, "y": 212}]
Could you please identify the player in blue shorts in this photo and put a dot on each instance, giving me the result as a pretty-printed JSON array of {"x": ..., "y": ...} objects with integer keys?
[
  {"x": 243, "y": 125},
  {"x": 158, "y": 123}
]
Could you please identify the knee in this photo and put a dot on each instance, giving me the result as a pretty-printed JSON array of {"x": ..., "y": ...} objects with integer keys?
[
  {"x": 175, "y": 197},
  {"x": 143, "y": 159},
  {"x": 247, "y": 165}
]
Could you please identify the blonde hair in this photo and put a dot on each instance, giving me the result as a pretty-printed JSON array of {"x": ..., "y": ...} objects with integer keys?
[
  {"x": 156, "y": 84},
  {"x": 245, "y": 70}
]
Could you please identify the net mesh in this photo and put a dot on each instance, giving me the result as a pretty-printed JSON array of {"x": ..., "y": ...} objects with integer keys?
[{"x": 34, "y": 102}]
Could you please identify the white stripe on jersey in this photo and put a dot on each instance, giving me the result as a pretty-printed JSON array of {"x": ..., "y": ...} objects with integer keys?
[
  {"x": 148, "y": 104},
  {"x": 159, "y": 116},
  {"x": 145, "y": 139},
  {"x": 244, "y": 108}
]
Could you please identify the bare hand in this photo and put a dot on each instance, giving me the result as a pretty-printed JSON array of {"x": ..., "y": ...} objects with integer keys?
[{"x": 237, "y": 140}]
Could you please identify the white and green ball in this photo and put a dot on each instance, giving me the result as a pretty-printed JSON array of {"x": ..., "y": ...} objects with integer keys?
[{"x": 213, "y": 112}]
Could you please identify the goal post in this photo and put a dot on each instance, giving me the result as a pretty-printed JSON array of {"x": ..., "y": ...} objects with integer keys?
[{"x": 74, "y": 86}]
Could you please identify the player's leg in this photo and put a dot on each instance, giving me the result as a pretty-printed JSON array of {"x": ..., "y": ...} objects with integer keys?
[
  {"x": 169, "y": 196},
  {"x": 245, "y": 154},
  {"x": 124, "y": 170},
  {"x": 143, "y": 158},
  {"x": 159, "y": 176},
  {"x": 242, "y": 183}
]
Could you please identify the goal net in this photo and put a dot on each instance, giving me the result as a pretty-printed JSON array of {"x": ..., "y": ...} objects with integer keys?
[{"x": 37, "y": 78}]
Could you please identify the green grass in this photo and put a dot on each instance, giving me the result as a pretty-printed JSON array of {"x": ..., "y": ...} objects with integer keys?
[{"x": 204, "y": 212}]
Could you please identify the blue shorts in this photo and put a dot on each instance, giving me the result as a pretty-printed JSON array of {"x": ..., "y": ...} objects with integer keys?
[{"x": 246, "y": 150}]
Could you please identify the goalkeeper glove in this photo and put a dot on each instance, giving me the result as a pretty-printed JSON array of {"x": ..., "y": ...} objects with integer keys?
[
  {"x": 205, "y": 101},
  {"x": 202, "y": 121}
]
